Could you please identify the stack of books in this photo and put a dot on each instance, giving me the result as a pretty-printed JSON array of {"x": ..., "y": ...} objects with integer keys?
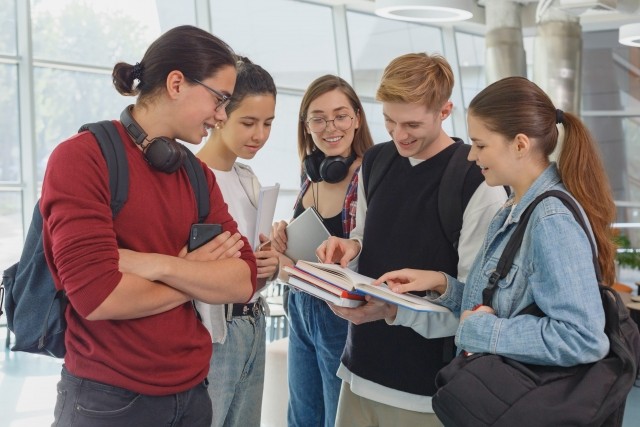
[{"x": 346, "y": 288}]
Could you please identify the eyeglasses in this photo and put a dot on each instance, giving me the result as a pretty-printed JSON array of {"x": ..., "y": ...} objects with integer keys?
[
  {"x": 223, "y": 100},
  {"x": 340, "y": 122}
]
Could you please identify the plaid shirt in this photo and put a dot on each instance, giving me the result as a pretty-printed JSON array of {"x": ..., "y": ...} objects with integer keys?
[{"x": 350, "y": 203}]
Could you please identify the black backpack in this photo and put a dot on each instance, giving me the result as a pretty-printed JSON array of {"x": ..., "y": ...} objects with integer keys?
[
  {"x": 492, "y": 390},
  {"x": 35, "y": 308}
]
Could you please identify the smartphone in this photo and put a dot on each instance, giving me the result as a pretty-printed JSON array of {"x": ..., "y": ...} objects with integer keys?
[{"x": 201, "y": 234}]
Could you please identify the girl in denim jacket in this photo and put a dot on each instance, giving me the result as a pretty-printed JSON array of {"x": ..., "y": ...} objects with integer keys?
[{"x": 513, "y": 127}]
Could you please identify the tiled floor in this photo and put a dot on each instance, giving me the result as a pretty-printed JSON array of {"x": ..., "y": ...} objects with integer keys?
[{"x": 28, "y": 390}]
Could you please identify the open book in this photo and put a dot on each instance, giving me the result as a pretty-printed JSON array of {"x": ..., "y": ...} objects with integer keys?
[
  {"x": 335, "y": 296},
  {"x": 331, "y": 276}
]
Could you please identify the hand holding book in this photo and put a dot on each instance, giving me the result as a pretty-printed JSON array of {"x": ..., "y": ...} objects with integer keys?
[{"x": 332, "y": 276}]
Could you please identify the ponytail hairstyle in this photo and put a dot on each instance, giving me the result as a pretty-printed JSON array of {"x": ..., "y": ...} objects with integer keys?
[
  {"x": 251, "y": 80},
  {"x": 191, "y": 50},
  {"x": 516, "y": 105}
]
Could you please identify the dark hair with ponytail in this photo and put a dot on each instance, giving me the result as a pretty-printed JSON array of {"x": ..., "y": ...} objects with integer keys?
[
  {"x": 516, "y": 105},
  {"x": 191, "y": 50},
  {"x": 252, "y": 79}
]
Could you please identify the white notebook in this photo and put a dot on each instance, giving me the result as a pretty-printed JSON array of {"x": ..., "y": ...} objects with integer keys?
[
  {"x": 304, "y": 234},
  {"x": 267, "y": 200}
]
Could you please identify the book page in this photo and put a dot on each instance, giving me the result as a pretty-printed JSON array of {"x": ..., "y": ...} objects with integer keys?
[
  {"x": 324, "y": 295},
  {"x": 410, "y": 301},
  {"x": 334, "y": 273}
]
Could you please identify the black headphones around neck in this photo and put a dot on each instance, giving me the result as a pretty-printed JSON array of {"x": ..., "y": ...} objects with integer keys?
[
  {"x": 330, "y": 169},
  {"x": 164, "y": 154}
]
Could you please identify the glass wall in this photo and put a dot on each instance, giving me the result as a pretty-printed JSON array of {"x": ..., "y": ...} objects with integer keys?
[
  {"x": 62, "y": 72},
  {"x": 373, "y": 43},
  {"x": 10, "y": 168}
]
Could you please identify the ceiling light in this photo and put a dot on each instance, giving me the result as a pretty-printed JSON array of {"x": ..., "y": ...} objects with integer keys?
[
  {"x": 424, "y": 10},
  {"x": 630, "y": 34}
]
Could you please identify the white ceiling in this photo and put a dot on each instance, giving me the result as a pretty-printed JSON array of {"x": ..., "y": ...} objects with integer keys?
[{"x": 592, "y": 20}]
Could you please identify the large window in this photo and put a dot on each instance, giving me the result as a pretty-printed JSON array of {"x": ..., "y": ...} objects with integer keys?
[
  {"x": 74, "y": 45},
  {"x": 294, "y": 41},
  {"x": 471, "y": 61},
  {"x": 375, "y": 41},
  {"x": 63, "y": 80},
  {"x": 8, "y": 25}
]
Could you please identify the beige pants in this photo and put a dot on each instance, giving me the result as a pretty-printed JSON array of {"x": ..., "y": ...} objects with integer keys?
[{"x": 356, "y": 411}]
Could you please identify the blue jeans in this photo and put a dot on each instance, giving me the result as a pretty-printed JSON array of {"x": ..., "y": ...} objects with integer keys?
[
  {"x": 86, "y": 403},
  {"x": 236, "y": 373},
  {"x": 316, "y": 340}
]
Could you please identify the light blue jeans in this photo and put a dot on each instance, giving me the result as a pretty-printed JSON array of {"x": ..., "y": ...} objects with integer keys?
[
  {"x": 236, "y": 373},
  {"x": 316, "y": 340}
]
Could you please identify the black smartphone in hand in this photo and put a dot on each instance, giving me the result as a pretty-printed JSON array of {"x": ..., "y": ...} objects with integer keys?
[{"x": 201, "y": 234}]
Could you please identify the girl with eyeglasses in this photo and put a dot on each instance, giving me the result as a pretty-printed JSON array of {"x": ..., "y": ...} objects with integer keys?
[
  {"x": 136, "y": 352},
  {"x": 332, "y": 137},
  {"x": 236, "y": 373}
]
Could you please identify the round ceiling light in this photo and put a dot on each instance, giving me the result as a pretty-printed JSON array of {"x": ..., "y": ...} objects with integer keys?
[
  {"x": 424, "y": 10},
  {"x": 629, "y": 34}
]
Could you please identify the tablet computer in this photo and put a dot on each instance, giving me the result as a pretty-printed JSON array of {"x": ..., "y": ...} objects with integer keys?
[{"x": 304, "y": 234}]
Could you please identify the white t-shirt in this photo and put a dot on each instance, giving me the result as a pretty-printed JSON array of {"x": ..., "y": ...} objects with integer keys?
[{"x": 240, "y": 207}]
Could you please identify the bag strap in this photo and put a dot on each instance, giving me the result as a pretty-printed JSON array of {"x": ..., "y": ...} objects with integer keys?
[
  {"x": 108, "y": 137},
  {"x": 198, "y": 180},
  {"x": 379, "y": 168},
  {"x": 451, "y": 209},
  {"x": 510, "y": 250}
]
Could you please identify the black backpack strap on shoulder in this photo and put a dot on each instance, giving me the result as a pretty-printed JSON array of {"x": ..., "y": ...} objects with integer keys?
[
  {"x": 450, "y": 204},
  {"x": 379, "y": 168},
  {"x": 510, "y": 250},
  {"x": 108, "y": 137},
  {"x": 198, "y": 180}
]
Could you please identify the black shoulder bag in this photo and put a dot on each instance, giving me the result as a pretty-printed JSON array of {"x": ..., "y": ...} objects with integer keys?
[{"x": 492, "y": 390}]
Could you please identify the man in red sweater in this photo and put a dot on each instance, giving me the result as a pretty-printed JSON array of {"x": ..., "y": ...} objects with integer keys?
[{"x": 136, "y": 352}]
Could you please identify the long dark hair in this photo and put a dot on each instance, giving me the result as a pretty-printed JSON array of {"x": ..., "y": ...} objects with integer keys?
[
  {"x": 515, "y": 105},
  {"x": 191, "y": 50}
]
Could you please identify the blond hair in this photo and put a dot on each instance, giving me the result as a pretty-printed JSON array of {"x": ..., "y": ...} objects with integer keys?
[{"x": 417, "y": 78}]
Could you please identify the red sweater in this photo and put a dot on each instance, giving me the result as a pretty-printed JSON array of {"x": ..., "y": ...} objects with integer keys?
[{"x": 156, "y": 355}]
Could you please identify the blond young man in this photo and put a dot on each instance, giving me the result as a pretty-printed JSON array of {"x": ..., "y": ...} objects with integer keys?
[{"x": 388, "y": 370}]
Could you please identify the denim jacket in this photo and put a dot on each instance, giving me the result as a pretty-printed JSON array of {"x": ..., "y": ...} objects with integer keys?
[{"x": 554, "y": 268}]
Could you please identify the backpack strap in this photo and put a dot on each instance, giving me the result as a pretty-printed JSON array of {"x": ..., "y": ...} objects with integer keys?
[
  {"x": 108, "y": 137},
  {"x": 451, "y": 209},
  {"x": 198, "y": 180},
  {"x": 380, "y": 165},
  {"x": 512, "y": 246}
]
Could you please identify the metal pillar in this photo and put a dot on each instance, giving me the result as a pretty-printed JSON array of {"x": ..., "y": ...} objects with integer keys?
[{"x": 504, "y": 55}]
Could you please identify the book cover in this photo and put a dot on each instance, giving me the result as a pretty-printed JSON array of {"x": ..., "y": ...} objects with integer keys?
[
  {"x": 344, "y": 299},
  {"x": 304, "y": 234},
  {"x": 351, "y": 281}
]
